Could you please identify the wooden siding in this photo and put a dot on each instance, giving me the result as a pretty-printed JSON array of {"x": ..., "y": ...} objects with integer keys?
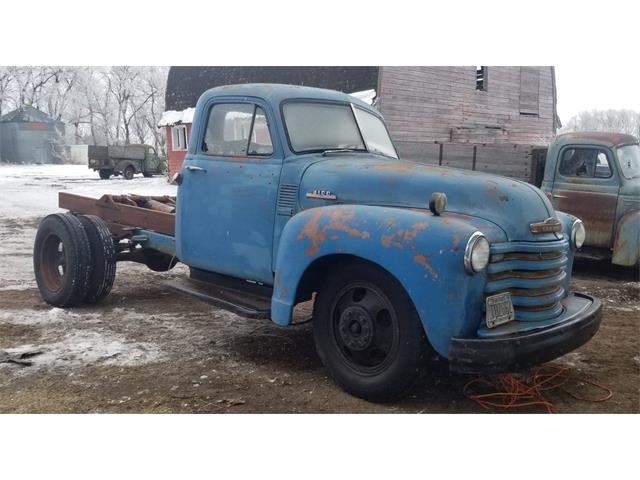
[
  {"x": 510, "y": 160},
  {"x": 427, "y": 104}
]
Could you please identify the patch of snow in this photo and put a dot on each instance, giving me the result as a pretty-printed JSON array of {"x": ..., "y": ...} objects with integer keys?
[
  {"x": 173, "y": 117},
  {"x": 575, "y": 360},
  {"x": 43, "y": 317},
  {"x": 91, "y": 347},
  {"x": 367, "y": 96}
]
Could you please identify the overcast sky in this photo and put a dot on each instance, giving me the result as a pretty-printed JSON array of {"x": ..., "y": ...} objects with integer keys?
[{"x": 589, "y": 87}]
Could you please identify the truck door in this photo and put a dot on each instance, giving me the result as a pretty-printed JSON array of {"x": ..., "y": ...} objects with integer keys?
[
  {"x": 586, "y": 185},
  {"x": 227, "y": 199}
]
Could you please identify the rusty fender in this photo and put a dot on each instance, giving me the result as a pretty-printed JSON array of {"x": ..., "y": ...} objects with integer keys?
[
  {"x": 626, "y": 246},
  {"x": 422, "y": 251}
]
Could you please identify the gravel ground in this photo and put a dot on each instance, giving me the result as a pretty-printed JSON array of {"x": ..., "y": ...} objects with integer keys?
[{"x": 147, "y": 349}]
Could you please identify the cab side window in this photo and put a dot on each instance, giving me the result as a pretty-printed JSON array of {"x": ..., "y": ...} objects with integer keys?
[
  {"x": 585, "y": 162},
  {"x": 237, "y": 130}
]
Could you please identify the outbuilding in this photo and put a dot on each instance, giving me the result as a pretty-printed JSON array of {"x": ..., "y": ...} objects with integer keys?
[{"x": 28, "y": 135}]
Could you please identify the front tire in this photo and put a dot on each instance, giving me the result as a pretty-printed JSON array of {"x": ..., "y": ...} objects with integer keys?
[
  {"x": 128, "y": 172},
  {"x": 62, "y": 260},
  {"x": 367, "y": 332},
  {"x": 105, "y": 173}
]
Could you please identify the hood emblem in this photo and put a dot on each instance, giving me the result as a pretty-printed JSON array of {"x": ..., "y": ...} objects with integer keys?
[
  {"x": 322, "y": 195},
  {"x": 550, "y": 225}
]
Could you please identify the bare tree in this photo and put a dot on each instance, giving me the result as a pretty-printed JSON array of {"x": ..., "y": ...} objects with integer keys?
[
  {"x": 620, "y": 121},
  {"x": 100, "y": 105}
]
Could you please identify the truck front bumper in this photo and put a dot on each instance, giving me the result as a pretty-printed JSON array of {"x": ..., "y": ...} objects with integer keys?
[{"x": 521, "y": 350}]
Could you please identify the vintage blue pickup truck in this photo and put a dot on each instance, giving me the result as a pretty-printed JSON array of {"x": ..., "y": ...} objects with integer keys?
[{"x": 289, "y": 194}]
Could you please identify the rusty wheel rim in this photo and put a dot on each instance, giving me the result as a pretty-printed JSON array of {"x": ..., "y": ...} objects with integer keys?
[
  {"x": 365, "y": 328},
  {"x": 53, "y": 262}
]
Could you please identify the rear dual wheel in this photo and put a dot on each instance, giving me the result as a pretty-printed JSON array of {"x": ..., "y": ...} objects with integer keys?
[
  {"x": 74, "y": 259},
  {"x": 368, "y": 333}
]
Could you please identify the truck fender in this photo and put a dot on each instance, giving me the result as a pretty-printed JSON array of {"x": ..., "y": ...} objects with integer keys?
[
  {"x": 626, "y": 245},
  {"x": 422, "y": 251}
]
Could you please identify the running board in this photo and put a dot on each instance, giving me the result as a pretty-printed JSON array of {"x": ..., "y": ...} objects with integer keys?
[{"x": 245, "y": 303}]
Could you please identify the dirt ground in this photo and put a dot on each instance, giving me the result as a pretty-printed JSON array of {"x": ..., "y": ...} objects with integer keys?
[{"x": 148, "y": 349}]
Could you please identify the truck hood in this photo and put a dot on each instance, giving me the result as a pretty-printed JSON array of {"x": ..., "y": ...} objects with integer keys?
[{"x": 360, "y": 178}]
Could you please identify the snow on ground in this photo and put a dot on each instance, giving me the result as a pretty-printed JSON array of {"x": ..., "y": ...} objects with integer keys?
[
  {"x": 89, "y": 347},
  {"x": 30, "y": 192}
]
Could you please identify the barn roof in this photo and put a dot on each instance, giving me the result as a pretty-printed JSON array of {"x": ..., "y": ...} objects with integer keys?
[
  {"x": 186, "y": 84},
  {"x": 27, "y": 114}
]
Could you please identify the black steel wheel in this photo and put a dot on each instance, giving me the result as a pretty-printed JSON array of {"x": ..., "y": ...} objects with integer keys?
[
  {"x": 367, "y": 332},
  {"x": 128, "y": 172},
  {"x": 61, "y": 260},
  {"x": 103, "y": 258},
  {"x": 105, "y": 173}
]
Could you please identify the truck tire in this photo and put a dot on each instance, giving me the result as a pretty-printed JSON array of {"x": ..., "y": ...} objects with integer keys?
[
  {"x": 128, "y": 172},
  {"x": 158, "y": 261},
  {"x": 62, "y": 260},
  {"x": 103, "y": 258},
  {"x": 367, "y": 332},
  {"x": 105, "y": 173}
]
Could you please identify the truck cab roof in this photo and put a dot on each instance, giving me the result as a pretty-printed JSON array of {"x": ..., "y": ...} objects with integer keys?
[
  {"x": 276, "y": 93},
  {"x": 608, "y": 139}
]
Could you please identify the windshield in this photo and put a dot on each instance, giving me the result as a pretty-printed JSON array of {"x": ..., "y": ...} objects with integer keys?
[
  {"x": 318, "y": 127},
  {"x": 629, "y": 159}
]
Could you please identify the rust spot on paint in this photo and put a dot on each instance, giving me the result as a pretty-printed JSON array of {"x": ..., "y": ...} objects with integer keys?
[
  {"x": 395, "y": 167},
  {"x": 424, "y": 261},
  {"x": 455, "y": 245},
  {"x": 451, "y": 295},
  {"x": 402, "y": 236},
  {"x": 338, "y": 222},
  {"x": 503, "y": 198}
]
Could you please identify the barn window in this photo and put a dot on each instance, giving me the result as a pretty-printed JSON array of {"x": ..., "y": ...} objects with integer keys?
[
  {"x": 529, "y": 91},
  {"x": 179, "y": 138},
  {"x": 481, "y": 78}
]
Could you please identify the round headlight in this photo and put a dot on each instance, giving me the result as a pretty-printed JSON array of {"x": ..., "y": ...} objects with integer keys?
[
  {"x": 476, "y": 254},
  {"x": 578, "y": 234}
]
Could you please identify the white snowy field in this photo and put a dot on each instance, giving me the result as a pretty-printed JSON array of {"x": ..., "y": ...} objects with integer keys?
[{"x": 30, "y": 192}]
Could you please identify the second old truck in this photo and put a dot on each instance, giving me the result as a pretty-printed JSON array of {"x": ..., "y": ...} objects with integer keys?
[{"x": 289, "y": 194}]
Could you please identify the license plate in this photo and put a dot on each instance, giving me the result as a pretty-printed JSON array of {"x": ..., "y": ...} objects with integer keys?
[{"x": 499, "y": 309}]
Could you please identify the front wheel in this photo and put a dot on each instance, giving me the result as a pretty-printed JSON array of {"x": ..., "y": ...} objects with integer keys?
[
  {"x": 105, "y": 173},
  {"x": 368, "y": 333},
  {"x": 128, "y": 172}
]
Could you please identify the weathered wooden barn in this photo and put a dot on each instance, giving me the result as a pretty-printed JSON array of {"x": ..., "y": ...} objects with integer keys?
[
  {"x": 483, "y": 118},
  {"x": 28, "y": 135}
]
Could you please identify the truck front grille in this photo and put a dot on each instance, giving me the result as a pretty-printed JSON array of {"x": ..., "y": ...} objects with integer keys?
[{"x": 534, "y": 273}]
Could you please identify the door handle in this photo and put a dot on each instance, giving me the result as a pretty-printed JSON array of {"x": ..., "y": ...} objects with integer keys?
[
  {"x": 559, "y": 196},
  {"x": 191, "y": 168}
]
